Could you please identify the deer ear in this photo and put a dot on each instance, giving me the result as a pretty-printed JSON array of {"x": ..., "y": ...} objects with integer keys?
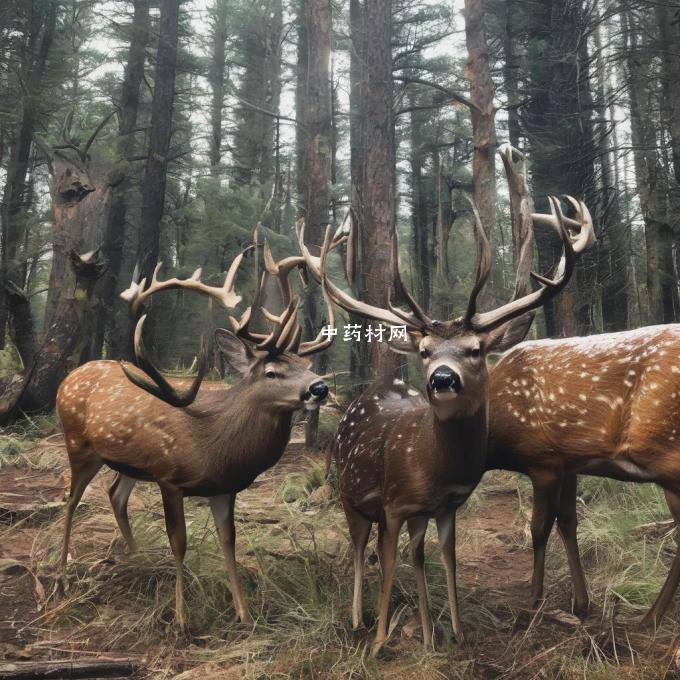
[
  {"x": 509, "y": 334},
  {"x": 235, "y": 351},
  {"x": 407, "y": 345}
]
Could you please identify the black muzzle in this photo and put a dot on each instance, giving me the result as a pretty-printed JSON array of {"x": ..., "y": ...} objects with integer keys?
[{"x": 445, "y": 379}]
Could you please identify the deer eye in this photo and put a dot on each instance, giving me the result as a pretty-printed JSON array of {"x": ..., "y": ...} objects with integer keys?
[
  {"x": 271, "y": 374},
  {"x": 474, "y": 352},
  {"x": 424, "y": 353}
]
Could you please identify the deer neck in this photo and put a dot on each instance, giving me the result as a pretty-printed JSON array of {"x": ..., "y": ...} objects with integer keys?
[
  {"x": 458, "y": 443},
  {"x": 242, "y": 429}
]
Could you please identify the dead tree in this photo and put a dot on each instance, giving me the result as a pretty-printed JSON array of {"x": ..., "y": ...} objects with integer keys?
[{"x": 81, "y": 197}]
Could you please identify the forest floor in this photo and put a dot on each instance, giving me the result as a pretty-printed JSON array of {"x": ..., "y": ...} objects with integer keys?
[{"x": 296, "y": 563}]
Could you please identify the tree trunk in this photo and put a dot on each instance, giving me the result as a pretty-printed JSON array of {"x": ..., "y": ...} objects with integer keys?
[
  {"x": 613, "y": 249},
  {"x": 155, "y": 173},
  {"x": 419, "y": 213},
  {"x": 359, "y": 367},
  {"x": 559, "y": 134},
  {"x": 649, "y": 179},
  {"x": 81, "y": 198},
  {"x": 217, "y": 79},
  {"x": 483, "y": 113},
  {"x": 669, "y": 33},
  {"x": 511, "y": 68},
  {"x": 114, "y": 321},
  {"x": 318, "y": 130},
  {"x": 377, "y": 194},
  {"x": 14, "y": 196}
]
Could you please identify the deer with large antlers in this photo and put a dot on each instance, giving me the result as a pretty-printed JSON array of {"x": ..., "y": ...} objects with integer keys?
[
  {"x": 601, "y": 405},
  {"x": 194, "y": 442},
  {"x": 403, "y": 459}
]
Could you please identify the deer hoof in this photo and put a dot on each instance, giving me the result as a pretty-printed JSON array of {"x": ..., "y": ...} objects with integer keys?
[
  {"x": 376, "y": 648},
  {"x": 244, "y": 617},
  {"x": 582, "y": 609}
]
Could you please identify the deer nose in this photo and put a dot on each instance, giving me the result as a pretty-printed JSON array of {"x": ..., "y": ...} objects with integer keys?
[
  {"x": 445, "y": 378},
  {"x": 319, "y": 390}
]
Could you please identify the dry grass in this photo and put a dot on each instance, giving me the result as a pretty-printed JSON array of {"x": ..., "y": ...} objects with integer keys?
[{"x": 296, "y": 567}]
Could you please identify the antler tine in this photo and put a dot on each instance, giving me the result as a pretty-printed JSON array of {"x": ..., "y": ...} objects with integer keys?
[
  {"x": 158, "y": 386},
  {"x": 283, "y": 325},
  {"x": 136, "y": 295},
  {"x": 549, "y": 287},
  {"x": 581, "y": 223},
  {"x": 338, "y": 296},
  {"x": 520, "y": 212},
  {"x": 343, "y": 234},
  {"x": 483, "y": 264},
  {"x": 281, "y": 269},
  {"x": 241, "y": 326},
  {"x": 322, "y": 341},
  {"x": 418, "y": 313}
]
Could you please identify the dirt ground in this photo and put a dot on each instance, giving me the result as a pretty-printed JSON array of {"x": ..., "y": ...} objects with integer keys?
[{"x": 121, "y": 607}]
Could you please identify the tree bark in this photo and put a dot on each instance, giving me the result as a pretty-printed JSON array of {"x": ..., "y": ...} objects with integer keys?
[
  {"x": 614, "y": 243},
  {"x": 359, "y": 362},
  {"x": 419, "y": 213},
  {"x": 155, "y": 173},
  {"x": 483, "y": 113},
  {"x": 559, "y": 134},
  {"x": 669, "y": 33},
  {"x": 318, "y": 130},
  {"x": 377, "y": 194},
  {"x": 649, "y": 179},
  {"x": 14, "y": 198},
  {"x": 511, "y": 71},
  {"x": 217, "y": 79},
  {"x": 114, "y": 326}
]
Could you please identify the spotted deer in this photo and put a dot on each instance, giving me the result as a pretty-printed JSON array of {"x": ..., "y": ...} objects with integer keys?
[
  {"x": 193, "y": 442},
  {"x": 401, "y": 458},
  {"x": 601, "y": 405}
]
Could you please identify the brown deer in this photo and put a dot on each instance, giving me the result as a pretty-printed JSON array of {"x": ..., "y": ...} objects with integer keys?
[
  {"x": 210, "y": 443},
  {"x": 401, "y": 458},
  {"x": 601, "y": 405}
]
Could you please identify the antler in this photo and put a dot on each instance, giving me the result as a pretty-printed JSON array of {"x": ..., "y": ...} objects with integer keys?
[
  {"x": 572, "y": 246},
  {"x": 136, "y": 295},
  {"x": 287, "y": 332},
  {"x": 391, "y": 316},
  {"x": 417, "y": 320},
  {"x": 322, "y": 341}
]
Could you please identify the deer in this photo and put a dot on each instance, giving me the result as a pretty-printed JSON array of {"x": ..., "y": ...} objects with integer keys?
[
  {"x": 602, "y": 405},
  {"x": 192, "y": 442},
  {"x": 402, "y": 458}
]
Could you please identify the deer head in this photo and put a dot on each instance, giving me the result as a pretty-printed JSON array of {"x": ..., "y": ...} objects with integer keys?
[
  {"x": 453, "y": 352},
  {"x": 275, "y": 363}
]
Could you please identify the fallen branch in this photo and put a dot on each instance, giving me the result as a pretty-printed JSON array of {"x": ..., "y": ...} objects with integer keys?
[{"x": 29, "y": 670}]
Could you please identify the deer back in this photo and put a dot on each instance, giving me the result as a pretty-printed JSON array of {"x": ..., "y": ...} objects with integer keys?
[{"x": 605, "y": 404}]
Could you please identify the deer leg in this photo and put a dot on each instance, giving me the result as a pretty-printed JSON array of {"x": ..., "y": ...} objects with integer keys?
[
  {"x": 119, "y": 492},
  {"x": 175, "y": 525},
  {"x": 223, "y": 513},
  {"x": 81, "y": 476},
  {"x": 417, "y": 526},
  {"x": 546, "y": 500},
  {"x": 359, "y": 530},
  {"x": 388, "y": 538},
  {"x": 567, "y": 522},
  {"x": 446, "y": 529},
  {"x": 657, "y": 610}
]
